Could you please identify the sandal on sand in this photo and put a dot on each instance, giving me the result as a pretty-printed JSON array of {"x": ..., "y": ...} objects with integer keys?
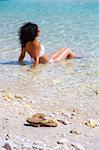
[
  {"x": 42, "y": 120},
  {"x": 35, "y": 119}
]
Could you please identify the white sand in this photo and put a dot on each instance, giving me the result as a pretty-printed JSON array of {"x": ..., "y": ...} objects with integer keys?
[{"x": 70, "y": 96}]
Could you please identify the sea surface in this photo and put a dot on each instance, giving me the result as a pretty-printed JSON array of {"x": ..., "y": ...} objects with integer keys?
[{"x": 63, "y": 23}]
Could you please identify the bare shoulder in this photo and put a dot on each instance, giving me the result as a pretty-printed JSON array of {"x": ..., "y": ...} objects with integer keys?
[
  {"x": 36, "y": 43},
  {"x": 36, "y": 47}
]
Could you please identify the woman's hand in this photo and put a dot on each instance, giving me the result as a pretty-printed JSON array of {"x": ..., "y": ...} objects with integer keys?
[
  {"x": 21, "y": 62},
  {"x": 36, "y": 62},
  {"x": 21, "y": 57}
]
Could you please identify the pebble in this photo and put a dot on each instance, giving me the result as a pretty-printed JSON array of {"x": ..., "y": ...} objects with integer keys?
[
  {"x": 58, "y": 142},
  {"x": 75, "y": 132},
  {"x": 62, "y": 121},
  {"x": 62, "y": 141},
  {"x": 97, "y": 91},
  {"x": 18, "y": 96},
  {"x": 91, "y": 123},
  {"x": 7, "y": 146}
]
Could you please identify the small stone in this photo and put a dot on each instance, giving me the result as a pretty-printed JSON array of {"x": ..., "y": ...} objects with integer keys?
[
  {"x": 62, "y": 141},
  {"x": 97, "y": 91},
  {"x": 7, "y": 146},
  {"x": 62, "y": 121},
  {"x": 75, "y": 110},
  {"x": 75, "y": 132},
  {"x": 58, "y": 142},
  {"x": 7, "y": 137},
  {"x": 18, "y": 97},
  {"x": 91, "y": 123}
]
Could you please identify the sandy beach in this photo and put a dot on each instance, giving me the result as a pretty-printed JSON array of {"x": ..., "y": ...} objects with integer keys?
[{"x": 77, "y": 105}]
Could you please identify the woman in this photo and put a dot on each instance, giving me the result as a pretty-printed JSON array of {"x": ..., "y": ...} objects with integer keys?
[{"x": 28, "y": 36}]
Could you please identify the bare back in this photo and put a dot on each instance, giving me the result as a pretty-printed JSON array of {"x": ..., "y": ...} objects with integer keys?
[{"x": 33, "y": 48}]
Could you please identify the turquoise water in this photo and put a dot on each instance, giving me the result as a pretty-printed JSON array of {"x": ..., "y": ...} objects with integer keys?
[
  {"x": 69, "y": 23},
  {"x": 63, "y": 23}
]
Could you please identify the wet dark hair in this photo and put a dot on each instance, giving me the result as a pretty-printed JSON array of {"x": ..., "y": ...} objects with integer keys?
[{"x": 28, "y": 32}]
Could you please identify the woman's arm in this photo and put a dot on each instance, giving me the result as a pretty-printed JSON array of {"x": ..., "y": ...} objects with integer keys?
[
  {"x": 22, "y": 55},
  {"x": 36, "y": 54}
]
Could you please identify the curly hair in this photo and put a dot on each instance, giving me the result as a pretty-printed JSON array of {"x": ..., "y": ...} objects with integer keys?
[{"x": 28, "y": 32}]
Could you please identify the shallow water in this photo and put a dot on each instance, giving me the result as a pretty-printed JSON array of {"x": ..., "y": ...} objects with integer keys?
[{"x": 65, "y": 23}]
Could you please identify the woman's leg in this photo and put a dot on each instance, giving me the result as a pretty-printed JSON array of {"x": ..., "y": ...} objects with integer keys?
[
  {"x": 66, "y": 53},
  {"x": 57, "y": 53}
]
